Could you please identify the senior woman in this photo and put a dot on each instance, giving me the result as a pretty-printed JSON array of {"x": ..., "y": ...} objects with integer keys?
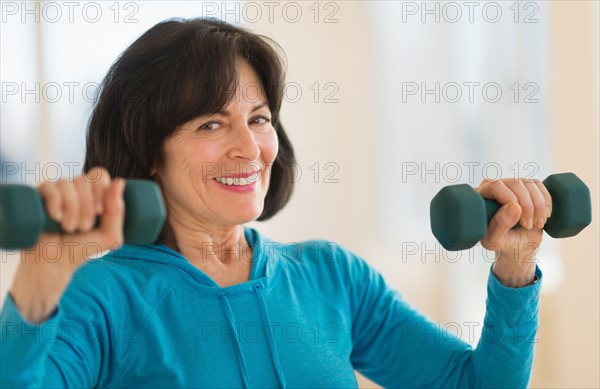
[{"x": 194, "y": 105}]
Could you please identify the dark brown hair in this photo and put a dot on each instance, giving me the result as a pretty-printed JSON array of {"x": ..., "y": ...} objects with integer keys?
[{"x": 178, "y": 70}]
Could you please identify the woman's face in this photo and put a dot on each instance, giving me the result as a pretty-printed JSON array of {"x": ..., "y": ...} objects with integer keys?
[{"x": 216, "y": 168}]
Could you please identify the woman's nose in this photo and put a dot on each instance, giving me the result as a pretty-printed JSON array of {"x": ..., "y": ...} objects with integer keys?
[{"x": 243, "y": 144}]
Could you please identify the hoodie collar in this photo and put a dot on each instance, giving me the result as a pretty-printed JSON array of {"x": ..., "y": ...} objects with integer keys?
[{"x": 260, "y": 271}]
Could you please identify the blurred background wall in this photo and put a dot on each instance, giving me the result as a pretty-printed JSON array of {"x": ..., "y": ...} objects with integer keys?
[{"x": 386, "y": 103}]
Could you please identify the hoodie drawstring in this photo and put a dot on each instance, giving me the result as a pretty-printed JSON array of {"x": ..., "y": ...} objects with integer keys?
[
  {"x": 272, "y": 346},
  {"x": 229, "y": 312}
]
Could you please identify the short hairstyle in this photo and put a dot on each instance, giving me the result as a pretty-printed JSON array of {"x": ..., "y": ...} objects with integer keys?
[{"x": 178, "y": 70}]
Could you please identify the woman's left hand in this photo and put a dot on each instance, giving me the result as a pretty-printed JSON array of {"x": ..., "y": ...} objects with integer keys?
[{"x": 528, "y": 202}]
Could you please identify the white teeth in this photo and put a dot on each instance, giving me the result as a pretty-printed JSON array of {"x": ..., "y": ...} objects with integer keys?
[
  {"x": 238, "y": 181},
  {"x": 253, "y": 178}
]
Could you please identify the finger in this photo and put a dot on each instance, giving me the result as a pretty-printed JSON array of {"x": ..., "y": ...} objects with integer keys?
[
  {"x": 504, "y": 219},
  {"x": 539, "y": 204},
  {"x": 100, "y": 180},
  {"x": 87, "y": 216},
  {"x": 527, "y": 208},
  {"x": 113, "y": 217},
  {"x": 547, "y": 198},
  {"x": 52, "y": 200},
  {"x": 485, "y": 181},
  {"x": 70, "y": 205},
  {"x": 497, "y": 190}
]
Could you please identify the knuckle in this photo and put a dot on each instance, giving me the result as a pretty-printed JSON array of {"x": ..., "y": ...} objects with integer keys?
[
  {"x": 539, "y": 201},
  {"x": 45, "y": 185},
  {"x": 80, "y": 180},
  {"x": 511, "y": 180},
  {"x": 527, "y": 208},
  {"x": 519, "y": 185},
  {"x": 62, "y": 183},
  {"x": 81, "y": 185},
  {"x": 98, "y": 176},
  {"x": 496, "y": 186},
  {"x": 92, "y": 175},
  {"x": 64, "y": 186},
  {"x": 53, "y": 198},
  {"x": 48, "y": 190},
  {"x": 500, "y": 185}
]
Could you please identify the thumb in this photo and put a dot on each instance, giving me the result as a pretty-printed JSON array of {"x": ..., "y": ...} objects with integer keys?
[
  {"x": 508, "y": 215},
  {"x": 505, "y": 218}
]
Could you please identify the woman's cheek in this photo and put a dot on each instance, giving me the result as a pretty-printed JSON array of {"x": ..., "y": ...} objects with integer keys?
[{"x": 270, "y": 147}]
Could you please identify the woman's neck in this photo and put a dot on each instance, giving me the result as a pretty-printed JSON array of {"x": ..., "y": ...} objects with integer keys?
[{"x": 223, "y": 246}]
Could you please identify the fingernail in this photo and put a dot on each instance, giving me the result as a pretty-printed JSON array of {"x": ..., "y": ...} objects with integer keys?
[
  {"x": 89, "y": 222},
  {"x": 70, "y": 225},
  {"x": 514, "y": 209},
  {"x": 540, "y": 222},
  {"x": 548, "y": 211},
  {"x": 529, "y": 224},
  {"x": 58, "y": 215}
]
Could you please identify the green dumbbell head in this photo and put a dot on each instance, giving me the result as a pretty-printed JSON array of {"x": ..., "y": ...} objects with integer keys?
[
  {"x": 458, "y": 217},
  {"x": 23, "y": 216},
  {"x": 571, "y": 205}
]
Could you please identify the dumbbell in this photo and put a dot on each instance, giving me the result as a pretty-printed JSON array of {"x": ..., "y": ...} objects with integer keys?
[
  {"x": 460, "y": 216},
  {"x": 23, "y": 216}
]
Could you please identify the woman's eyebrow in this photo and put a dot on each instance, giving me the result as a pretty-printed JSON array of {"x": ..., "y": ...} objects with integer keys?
[{"x": 258, "y": 106}]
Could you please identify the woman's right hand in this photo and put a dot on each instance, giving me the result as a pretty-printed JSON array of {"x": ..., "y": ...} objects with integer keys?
[{"x": 46, "y": 269}]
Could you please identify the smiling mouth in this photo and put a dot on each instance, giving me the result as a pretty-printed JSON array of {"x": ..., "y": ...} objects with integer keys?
[{"x": 239, "y": 181}]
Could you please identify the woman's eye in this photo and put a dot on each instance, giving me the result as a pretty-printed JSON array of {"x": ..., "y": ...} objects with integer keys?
[
  {"x": 261, "y": 120},
  {"x": 209, "y": 126}
]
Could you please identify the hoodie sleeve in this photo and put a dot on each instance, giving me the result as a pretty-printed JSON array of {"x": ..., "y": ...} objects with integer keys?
[
  {"x": 396, "y": 346},
  {"x": 59, "y": 352}
]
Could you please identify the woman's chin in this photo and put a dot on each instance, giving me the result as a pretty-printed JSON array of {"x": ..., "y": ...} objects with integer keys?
[{"x": 243, "y": 216}]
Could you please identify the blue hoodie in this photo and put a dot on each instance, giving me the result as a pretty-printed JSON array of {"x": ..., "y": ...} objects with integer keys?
[{"x": 311, "y": 314}]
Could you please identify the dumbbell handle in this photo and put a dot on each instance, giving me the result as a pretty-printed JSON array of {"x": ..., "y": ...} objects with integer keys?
[
  {"x": 491, "y": 207},
  {"x": 23, "y": 216}
]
